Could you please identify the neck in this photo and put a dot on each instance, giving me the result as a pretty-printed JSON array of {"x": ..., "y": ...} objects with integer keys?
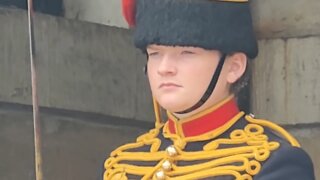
[{"x": 205, "y": 106}]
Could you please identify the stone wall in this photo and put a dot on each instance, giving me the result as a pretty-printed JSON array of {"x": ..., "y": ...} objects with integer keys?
[
  {"x": 97, "y": 11},
  {"x": 81, "y": 66},
  {"x": 93, "y": 69},
  {"x": 73, "y": 147},
  {"x": 286, "y": 73}
]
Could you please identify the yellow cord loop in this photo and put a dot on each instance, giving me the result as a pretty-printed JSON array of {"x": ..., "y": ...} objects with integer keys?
[
  {"x": 157, "y": 113},
  {"x": 276, "y": 128}
]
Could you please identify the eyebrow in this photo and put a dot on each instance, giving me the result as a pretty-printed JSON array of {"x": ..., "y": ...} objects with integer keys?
[{"x": 151, "y": 47}]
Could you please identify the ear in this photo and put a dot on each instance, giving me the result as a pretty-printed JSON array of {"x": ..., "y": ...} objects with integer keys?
[{"x": 237, "y": 64}]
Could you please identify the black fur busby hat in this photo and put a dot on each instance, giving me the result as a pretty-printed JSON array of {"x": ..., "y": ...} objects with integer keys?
[{"x": 224, "y": 25}]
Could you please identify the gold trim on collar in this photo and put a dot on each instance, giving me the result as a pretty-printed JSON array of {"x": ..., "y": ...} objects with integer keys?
[
  {"x": 180, "y": 141},
  {"x": 178, "y": 123},
  {"x": 200, "y": 114}
]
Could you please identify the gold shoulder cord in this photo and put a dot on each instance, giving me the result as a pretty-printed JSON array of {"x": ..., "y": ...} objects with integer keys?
[
  {"x": 293, "y": 141},
  {"x": 246, "y": 149}
]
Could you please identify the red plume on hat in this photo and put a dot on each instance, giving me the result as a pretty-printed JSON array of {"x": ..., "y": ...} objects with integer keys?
[{"x": 129, "y": 11}]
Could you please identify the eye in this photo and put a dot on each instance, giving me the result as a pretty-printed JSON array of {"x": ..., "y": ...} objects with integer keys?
[
  {"x": 153, "y": 53},
  {"x": 187, "y": 52}
]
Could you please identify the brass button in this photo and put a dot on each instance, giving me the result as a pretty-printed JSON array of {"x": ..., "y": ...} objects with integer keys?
[
  {"x": 171, "y": 151},
  {"x": 167, "y": 166},
  {"x": 160, "y": 175}
]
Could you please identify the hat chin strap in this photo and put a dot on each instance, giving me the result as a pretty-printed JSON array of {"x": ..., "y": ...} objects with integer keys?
[{"x": 210, "y": 88}]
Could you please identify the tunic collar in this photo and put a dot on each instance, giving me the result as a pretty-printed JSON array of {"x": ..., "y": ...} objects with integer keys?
[{"x": 205, "y": 121}]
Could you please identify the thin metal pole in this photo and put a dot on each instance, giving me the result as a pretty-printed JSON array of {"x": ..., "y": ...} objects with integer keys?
[{"x": 36, "y": 119}]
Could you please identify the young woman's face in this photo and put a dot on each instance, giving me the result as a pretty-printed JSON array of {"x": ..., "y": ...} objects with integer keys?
[{"x": 179, "y": 76}]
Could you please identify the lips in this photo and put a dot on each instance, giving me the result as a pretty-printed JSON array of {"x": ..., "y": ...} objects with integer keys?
[{"x": 169, "y": 85}]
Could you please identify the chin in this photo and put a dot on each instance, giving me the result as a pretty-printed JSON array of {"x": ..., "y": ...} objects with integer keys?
[{"x": 171, "y": 104}]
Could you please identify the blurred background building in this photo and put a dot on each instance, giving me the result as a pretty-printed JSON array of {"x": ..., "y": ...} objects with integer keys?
[{"x": 94, "y": 95}]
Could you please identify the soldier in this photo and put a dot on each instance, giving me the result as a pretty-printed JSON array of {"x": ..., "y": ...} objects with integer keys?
[{"x": 199, "y": 53}]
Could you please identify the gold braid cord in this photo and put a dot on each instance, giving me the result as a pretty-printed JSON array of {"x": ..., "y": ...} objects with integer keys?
[{"x": 247, "y": 149}]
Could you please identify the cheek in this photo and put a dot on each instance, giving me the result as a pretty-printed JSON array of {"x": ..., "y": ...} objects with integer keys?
[
  {"x": 196, "y": 81},
  {"x": 152, "y": 77},
  {"x": 200, "y": 76}
]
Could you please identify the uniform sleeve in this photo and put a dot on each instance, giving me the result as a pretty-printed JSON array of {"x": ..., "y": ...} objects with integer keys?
[{"x": 287, "y": 163}]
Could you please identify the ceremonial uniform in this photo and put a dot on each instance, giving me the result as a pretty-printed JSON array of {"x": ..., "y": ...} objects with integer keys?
[{"x": 220, "y": 142}]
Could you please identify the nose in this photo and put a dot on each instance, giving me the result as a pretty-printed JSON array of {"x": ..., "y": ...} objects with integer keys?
[{"x": 167, "y": 66}]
